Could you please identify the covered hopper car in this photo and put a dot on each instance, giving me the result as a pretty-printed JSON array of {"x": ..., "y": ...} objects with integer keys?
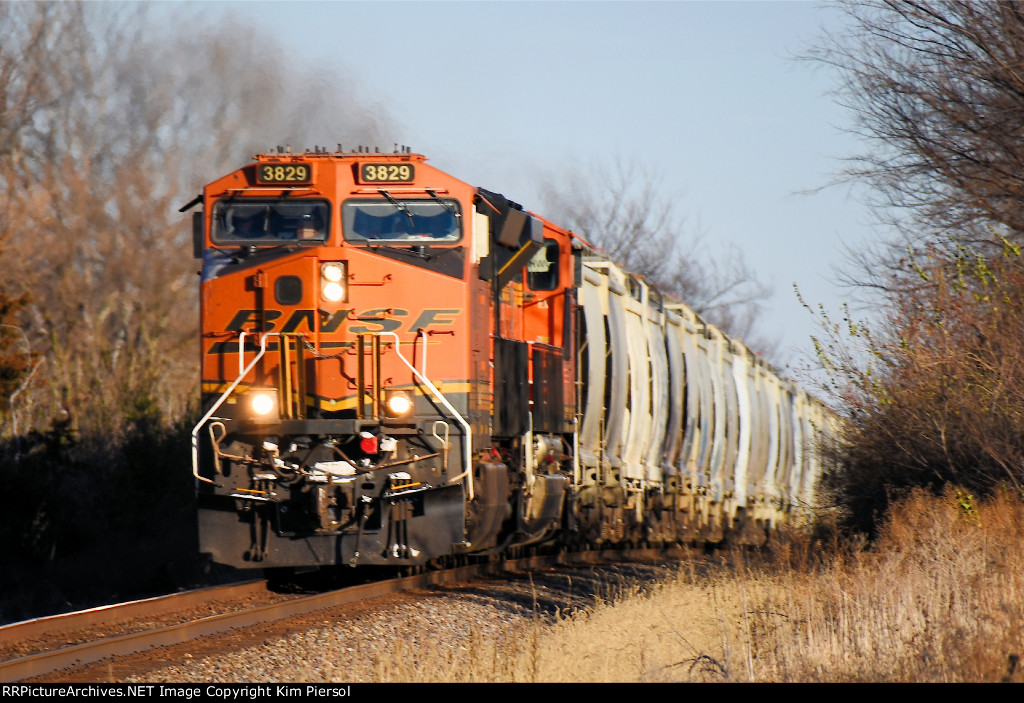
[{"x": 398, "y": 367}]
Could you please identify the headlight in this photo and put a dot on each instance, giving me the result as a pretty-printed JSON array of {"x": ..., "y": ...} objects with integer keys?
[
  {"x": 332, "y": 272},
  {"x": 333, "y": 292},
  {"x": 399, "y": 403},
  {"x": 333, "y": 287},
  {"x": 262, "y": 402}
]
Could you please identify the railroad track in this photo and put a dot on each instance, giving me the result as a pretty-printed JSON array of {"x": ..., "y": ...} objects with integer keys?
[{"x": 86, "y": 652}]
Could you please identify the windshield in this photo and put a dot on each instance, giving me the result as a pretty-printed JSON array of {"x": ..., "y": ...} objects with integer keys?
[
  {"x": 269, "y": 222},
  {"x": 401, "y": 220}
]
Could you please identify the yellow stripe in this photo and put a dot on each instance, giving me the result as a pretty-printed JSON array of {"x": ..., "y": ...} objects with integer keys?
[{"x": 348, "y": 403}]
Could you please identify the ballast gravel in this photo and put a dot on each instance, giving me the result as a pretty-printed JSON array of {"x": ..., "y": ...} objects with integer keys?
[{"x": 440, "y": 634}]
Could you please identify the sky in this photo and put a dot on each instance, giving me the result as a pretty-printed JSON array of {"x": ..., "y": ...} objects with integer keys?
[{"x": 709, "y": 96}]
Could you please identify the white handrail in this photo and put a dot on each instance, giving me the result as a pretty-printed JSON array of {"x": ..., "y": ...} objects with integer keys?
[
  {"x": 422, "y": 334},
  {"x": 467, "y": 445},
  {"x": 220, "y": 401}
]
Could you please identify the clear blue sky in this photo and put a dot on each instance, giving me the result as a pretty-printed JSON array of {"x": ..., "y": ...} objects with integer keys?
[{"x": 707, "y": 94}]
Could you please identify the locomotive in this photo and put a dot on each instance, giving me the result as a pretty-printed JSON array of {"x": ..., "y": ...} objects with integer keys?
[{"x": 399, "y": 367}]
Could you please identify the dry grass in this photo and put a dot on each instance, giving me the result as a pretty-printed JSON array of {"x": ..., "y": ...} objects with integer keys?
[{"x": 939, "y": 597}]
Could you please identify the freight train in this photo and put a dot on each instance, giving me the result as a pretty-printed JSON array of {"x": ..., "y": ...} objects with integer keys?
[{"x": 400, "y": 368}]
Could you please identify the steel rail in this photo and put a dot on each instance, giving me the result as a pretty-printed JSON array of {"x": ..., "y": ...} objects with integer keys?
[
  {"x": 118, "y": 613},
  {"x": 43, "y": 663}
]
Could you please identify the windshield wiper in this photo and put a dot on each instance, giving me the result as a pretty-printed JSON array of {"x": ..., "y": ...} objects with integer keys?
[
  {"x": 445, "y": 204},
  {"x": 413, "y": 250},
  {"x": 244, "y": 251},
  {"x": 233, "y": 257},
  {"x": 397, "y": 204}
]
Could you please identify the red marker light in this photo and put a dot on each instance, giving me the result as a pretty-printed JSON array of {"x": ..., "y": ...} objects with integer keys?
[{"x": 368, "y": 443}]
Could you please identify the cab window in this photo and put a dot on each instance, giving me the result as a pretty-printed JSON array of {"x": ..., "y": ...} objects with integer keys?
[
  {"x": 542, "y": 270},
  {"x": 401, "y": 221},
  {"x": 259, "y": 222}
]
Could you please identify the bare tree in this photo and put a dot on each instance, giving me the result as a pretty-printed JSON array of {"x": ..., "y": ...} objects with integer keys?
[
  {"x": 936, "y": 89},
  {"x": 624, "y": 210},
  {"x": 17, "y": 360},
  {"x": 108, "y": 126},
  {"x": 931, "y": 387}
]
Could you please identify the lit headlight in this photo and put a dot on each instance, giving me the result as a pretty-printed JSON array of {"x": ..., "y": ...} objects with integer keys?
[
  {"x": 262, "y": 402},
  {"x": 332, "y": 282},
  {"x": 333, "y": 292},
  {"x": 399, "y": 403},
  {"x": 332, "y": 272}
]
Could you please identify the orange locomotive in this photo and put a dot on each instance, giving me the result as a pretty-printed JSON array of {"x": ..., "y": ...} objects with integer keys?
[
  {"x": 379, "y": 341},
  {"x": 398, "y": 366}
]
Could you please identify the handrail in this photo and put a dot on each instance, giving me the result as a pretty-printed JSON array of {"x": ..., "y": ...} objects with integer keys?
[
  {"x": 241, "y": 350},
  {"x": 220, "y": 401},
  {"x": 467, "y": 445},
  {"x": 421, "y": 334}
]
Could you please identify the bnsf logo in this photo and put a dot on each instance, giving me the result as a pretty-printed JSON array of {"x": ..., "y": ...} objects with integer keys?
[{"x": 370, "y": 321}]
